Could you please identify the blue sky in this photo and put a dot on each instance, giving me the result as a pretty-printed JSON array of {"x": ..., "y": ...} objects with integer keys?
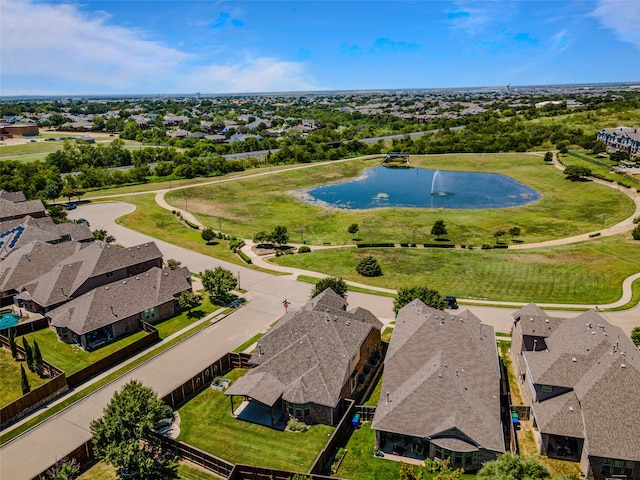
[{"x": 183, "y": 46}]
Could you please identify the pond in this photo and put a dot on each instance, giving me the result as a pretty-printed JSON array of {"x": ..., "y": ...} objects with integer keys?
[{"x": 420, "y": 188}]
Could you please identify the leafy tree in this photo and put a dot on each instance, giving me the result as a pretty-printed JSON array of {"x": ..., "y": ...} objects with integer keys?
[
  {"x": 218, "y": 283},
  {"x": 548, "y": 157},
  {"x": 280, "y": 235},
  {"x": 28, "y": 354},
  {"x": 430, "y": 297},
  {"x": 408, "y": 472},
  {"x": 72, "y": 192},
  {"x": 57, "y": 213},
  {"x": 439, "y": 228},
  {"x": 368, "y": 267},
  {"x": 122, "y": 436},
  {"x": 338, "y": 285},
  {"x": 12, "y": 343},
  {"x": 576, "y": 172},
  {"x": 24, "y": 381},
  {"x": 598, "y": 147},
  {"x": 37, "y": 357},
  {"x": 65, "y": 469},
  {"x": 102, "y": 235},
  {"x": 619, "y": 156},
  {"x": 353, "y": 229},
  {"x": 635, "y": 335},
  {"x": 511, "y": 467},
  {"x": 635, "y": 233},
  {"x": 442, "y": 470},
  {"x": 189, "y": 300},
  {"x": 98, "y": 123},
  {"x": 262, "y": 237},
  {"x": 172, "y": 263},
  {"x": 499, "y": 234},
  {"x": 514, "y": 232},
  {"x": 51, "y": 191},
  {"x": 208, "y": 234}
]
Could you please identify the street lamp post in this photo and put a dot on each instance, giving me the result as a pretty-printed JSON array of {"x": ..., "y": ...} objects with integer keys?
[{"x": 414, "y": 236}]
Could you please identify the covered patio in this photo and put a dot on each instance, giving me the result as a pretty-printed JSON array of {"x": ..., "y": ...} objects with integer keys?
[
  {"x": 262, "y": 393},
  {"x": 255, "y": 412}
]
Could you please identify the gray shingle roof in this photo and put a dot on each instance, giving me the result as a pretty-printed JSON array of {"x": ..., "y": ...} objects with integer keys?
[
  {"x": 120, "y": 300},
  {"x": 14, "y": 197},
  {"x": 306, "y": 356},
  {"x": 442, "y": 374},
  {"x": 9, "y": 209},
  {"x": 602, "y": 367}
]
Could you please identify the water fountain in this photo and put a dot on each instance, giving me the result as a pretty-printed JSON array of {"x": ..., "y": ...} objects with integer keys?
[{"x": 438, "y": 193}]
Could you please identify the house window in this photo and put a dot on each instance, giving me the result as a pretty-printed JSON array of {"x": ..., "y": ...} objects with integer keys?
[
  {"x": 439, "y": 453},
  {"x": 307, "y": 411},
  {"x": 457, "y": 459},
  {"x": 298, "y": 410},
  {"x": 468, "y": 458},
  {"x": 617, "y": 467},
  {"x": 547, "y": 388}
]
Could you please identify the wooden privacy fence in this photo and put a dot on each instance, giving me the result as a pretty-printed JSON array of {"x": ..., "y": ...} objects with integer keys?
[
  {"x": 366, "y": 413},
  {"x": 250, "y": 472},
  {"x": 340, "y": 436},
  {"x": 27, "y": 327}
]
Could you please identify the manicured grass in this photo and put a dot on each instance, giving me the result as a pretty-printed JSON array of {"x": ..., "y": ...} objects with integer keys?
[
  {"x": 206, "y": 423},
  {"x": 350, "y": 288},
  {"x": 635, "y": 298},
  {"x": 184, "y": 319},
  {"x": 585, "y": 273},
  {"x": 514, "y": 387},
  {"x": 255, "y": 204},
  {"x": 361, "y": 464},
  {"x": 71, "y": 358},
  {"x": 372, "y": 401},
  {"x": 186, "y": 471},
  {"x": 29, "y": 148},
  {"x": 248, "y": 343},
  {"x": 11, "y": 377}
]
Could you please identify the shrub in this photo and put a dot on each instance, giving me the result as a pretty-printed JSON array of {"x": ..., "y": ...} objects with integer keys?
[
  {"x": 192, "y": 225},
  {"x": 637, "y": 219},
  {"x": 368, "y": 267},
  {"x": 486, "y": 246},
  {"x": 244, "y": 256},
  {"x": 303, "y": 249},
  {"x": 636, "y": 233},
  {"x": 597, "y": 234},
  {"x": 296, "y": 425},
  {"x": 236, "y": 244}
]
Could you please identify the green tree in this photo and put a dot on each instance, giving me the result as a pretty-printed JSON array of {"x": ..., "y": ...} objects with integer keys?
[
  {"x": 262, "y": 237},
  {"x": 408, "y": 472},
  {"x": 72, "y": 192},
  {"x": 102, "y": 235},
  {"x": 65, "y": 469},
  {"x": 598, "y": 147},
  {"x": 511, "y": 467},
  {"x": 24, "y": 381},
  {"x": 499, "y": 234},
  {"x": 368, "y": 267},
  {"x": 442, "y": 470},
  {"x": 51, "y": 191},
  {"x": 172, "y": 263},
  {"x": 429, "y": 297},
  {"x": 57, "y": 213},
  {"x": 353, "y": 229},
  {"x": 515, "y": 232},
  {"x": 338, "y": 285},
  {"x": 619, "y": 156},
  {"x": 439, "y": 228},
  {"x": 576, "y": 172},
  {"x": 208, "y": 234},
  {"x": 635, "y": 335},
  {"x": 189, "y": 300},
  {"x": 12, "y": 343},
  {"x": 280, "y": 235},
  {"x": 548, "y": 157},
  {"x": 122, "y": 436},
  {"x": 28, "y": 354},
  {"x": 37, "y": 358},
  {"x": 635, "y": 233},
  {"x": 218, "y": 283},
  {"x": 98, "y": 124}
]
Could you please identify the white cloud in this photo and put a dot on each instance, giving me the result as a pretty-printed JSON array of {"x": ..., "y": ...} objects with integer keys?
[
  {"x": 473, "y": 16},
  {"x": 59, "y": 49},
  {"x": 623, "y": 17}
]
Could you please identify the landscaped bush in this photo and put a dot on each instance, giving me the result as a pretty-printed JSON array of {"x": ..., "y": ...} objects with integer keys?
[
  {"x": 243, "y": 256},
  {"x": 501, "y": 245},
  {"x": 597, "y": 234},
  {"x": 376, "y": 245},
  {"x": 296, "y": 425},
  {"x": 486, "y": 246},
  {"x": 236, "y": 244},
  {"x": 304, "y": 249},
  {"x": 192, "y": 225},
  {"x": 439, "y": 245},
  {"x": 637, "y": 219},
  {"x": 368, "y": 267}
]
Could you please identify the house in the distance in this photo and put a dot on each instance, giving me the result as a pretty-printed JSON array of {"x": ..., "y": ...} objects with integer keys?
[
  {"x": 581, "y": 377},
  {"x": 440, "y": 395},
  {"x": 311, "y": 360},
  {"x": 621, "y": 138},
  {"x": 116, "y": 309}
]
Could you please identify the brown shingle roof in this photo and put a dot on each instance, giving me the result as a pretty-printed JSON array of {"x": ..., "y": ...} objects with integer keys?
[
  {"x": 306, "y": 356},
  {"x": 120, "y": 300},
  {"x": 9, "y": 209},
  {"x": 14, "y": 197},
  {"x": 442, "y": 375}
]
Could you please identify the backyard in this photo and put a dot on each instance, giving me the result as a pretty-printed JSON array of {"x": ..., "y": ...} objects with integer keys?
[
  {"x": 11, "y": 377},
  {"x": 186, "y": 471},
  {"x": 206, "y": 423}
]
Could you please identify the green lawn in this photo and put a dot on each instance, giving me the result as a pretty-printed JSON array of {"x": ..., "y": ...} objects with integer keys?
[
  {"x": 251, "y": 205},
  {"x": 11, "y": 378},
  {"x": 584, "y": 273},
  {"x": 186, "y": 471},
  {"x": 206, "y": 423}
]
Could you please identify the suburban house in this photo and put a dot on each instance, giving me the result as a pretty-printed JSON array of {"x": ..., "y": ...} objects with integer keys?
[
  {"x": 440, "y": 395},
  {"x": 18, "y": 207},
  {"x": 29, "y": 262},
  {"x": 95, "y": 265},
  {"x": 581, "y": 377},
  {"x": 621, "y": 138},
  {"x": 311, "y": 360},
  {"x": 116, "y": 309}
]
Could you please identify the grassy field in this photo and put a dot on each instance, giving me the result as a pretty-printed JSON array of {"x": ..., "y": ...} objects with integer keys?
[
  {"x": 251, "y": 205},
  {"x": 586, "y": 273},
  {"x": 206, "y": 423},
  {"x": 186, "y": 471},
  {"x": 11, "y": 377}
]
